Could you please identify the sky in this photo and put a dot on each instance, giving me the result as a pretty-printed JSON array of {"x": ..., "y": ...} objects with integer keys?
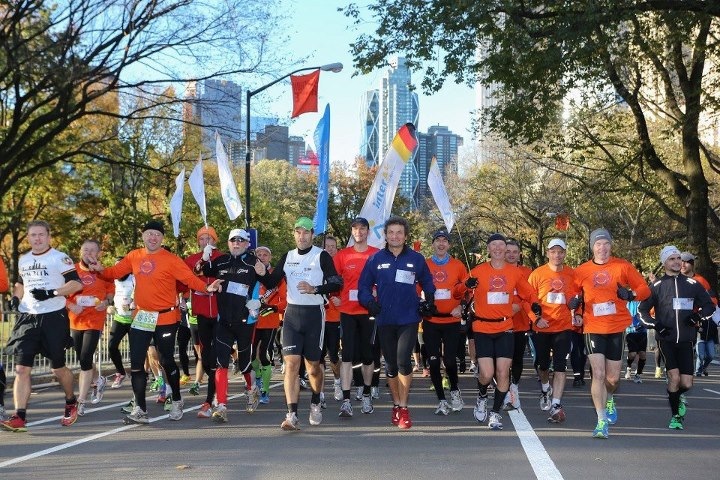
[{"x": 321, "y": 34}]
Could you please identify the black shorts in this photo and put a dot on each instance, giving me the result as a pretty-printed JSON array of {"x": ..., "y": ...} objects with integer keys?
[
  {"x": 357, "y": 331},
  {"x": 636, "y": 342},
  {"x": 494, "y": 345},
  {"x": 45, "y": 333},
  {"x": 302, "y": 331},
  {"x": 558, "y": 342},
  {"x": 332, "y": 341},
  {"x": 611, "y": 345},
  {"x": 678, "y": 355}
]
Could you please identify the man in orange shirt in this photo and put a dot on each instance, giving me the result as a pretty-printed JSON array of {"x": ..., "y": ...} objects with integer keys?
[
  {"x": 494, "y": 285},
  {"x": 156, "y": 272},
  {"x": 607, "y": 283},
  {"x": 331, "y": 340},
  {"x": 441, "y": 332},
  {"x": 87, "y": 310},
  {"x": 554, "y": 284}
]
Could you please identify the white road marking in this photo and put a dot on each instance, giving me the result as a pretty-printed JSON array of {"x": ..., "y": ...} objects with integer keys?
[
  {"x": 711, "y": 391},
  {"x": 540, "y": 461}
]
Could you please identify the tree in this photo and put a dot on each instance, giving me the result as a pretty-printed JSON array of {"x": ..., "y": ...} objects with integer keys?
[{"x": 653, "y": 56}]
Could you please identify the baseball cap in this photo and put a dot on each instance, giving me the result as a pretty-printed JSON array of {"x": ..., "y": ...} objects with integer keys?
[
  {"x": 154, "y": 225},
  {"x": 667, "y": 252},
  {"x": 239, "y": 232},
  {"x": 209, "y": 231},
  {"x": 599, "y": 234},
  {"x": 687, "y": 257},
  {"x": 361, "y": 221},
  {"x": 557, "y": 242},
  {"x": 496, "y": 236},
  {"x": 441, "y": 233},
  {"x": 304, "y": 222}
]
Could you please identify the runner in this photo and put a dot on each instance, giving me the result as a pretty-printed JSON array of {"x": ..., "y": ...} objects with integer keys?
[
  {"x": 395, "y": 271},
  {"x": 46, "y": 277},
  {"x": 331, "y": 348},
  {"x": 121, "y": 310},
  {"x": 4, "y": 286}
]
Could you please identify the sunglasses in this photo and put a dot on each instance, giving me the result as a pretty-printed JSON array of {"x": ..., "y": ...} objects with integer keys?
[{"x": 238, "y": 240}]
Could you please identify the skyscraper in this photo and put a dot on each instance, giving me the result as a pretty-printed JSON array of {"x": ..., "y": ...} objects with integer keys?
[
  {"x": 369, "y": 128},
  {"x": 441, "y": 143}
]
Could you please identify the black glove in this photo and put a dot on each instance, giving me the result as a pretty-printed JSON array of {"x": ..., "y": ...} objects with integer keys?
[
  {"x": 373, "y": 308},
  {"x": 471, "y": 282},
  {"x": 427, "y": 309},
  {"x": 694, "y": 320},
  {"x": 536, "y": 309},
  {"x": 40, "y": 294},
  {"x": 575, "y": 302},
  {"x": 625, "y": 293},
  {"x": 14, "y": 303}
]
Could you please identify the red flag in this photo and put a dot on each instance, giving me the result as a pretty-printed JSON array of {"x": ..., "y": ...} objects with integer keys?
[
  {"x": 562, "y": 221},
  {"x": 305, "y": 93}
]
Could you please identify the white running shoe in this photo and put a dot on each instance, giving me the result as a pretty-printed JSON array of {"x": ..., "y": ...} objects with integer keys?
[
  {"x": 367, "y": 405},
  {"x": 375, "y": 392},
  {"x": 118, "y": 380},
  {"x": 315, "y": 414},
  {"x": 81, "y": 409},
  {"x": 136, "y": 416},
  {"x": 480, "y": 410},
  {"x": 220, "y": 414},
  {"x": 99, "y": 390},
  {"x": 546, "y": 399},
  {"x": 628, "y": 375},
  {"x": 359, "y": 393},
  {"x": 337, "y": 394},
  {"x": 346, "y": 410},
  {"x": 456, "y": 401},
  {"x": 495, "y": 421},
  {"x": 253, "y": 399},
  {"x": 176, "y": 411},
  {"x": 290, "y": 423},
  {"x": 443, "y": 408}
]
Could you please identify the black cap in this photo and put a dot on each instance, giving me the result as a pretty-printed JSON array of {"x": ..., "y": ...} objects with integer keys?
[
  {"x": 154, "y": 225},
  {"x": 361, "y": 221},
  {"x": 496, "y": 236},
  {"x": 441, "y": 233}
]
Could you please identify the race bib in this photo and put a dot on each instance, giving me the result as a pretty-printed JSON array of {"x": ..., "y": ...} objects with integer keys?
[
  {"x": 405, "y": 276},
  {"x": 557, "y": 298},
  {"x": 442, "y": 294},
  {"x": 353, "y": 295},
  {"x": 145, "y": 321},
  {"x": 86, "y": 300},
  {"x": 237, "y": 289},
  {"x": 683, "y": 303},
  {"x": 498, "y": 298},
  {"x": 602, "y": 309}
]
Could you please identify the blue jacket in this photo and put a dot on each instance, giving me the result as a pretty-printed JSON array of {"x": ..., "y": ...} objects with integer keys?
[{"x": 396, "y": 279}]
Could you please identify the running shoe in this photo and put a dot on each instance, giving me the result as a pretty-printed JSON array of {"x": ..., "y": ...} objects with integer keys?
[
  {"x": 658, "y": 372},
  {"x": 195, "y": 389},
  {"x": 557, "y": 414},
  {"x": 337, "y": 390},
  {"x": 628, "y": 375},
  {"x": 446, "y": 383},
  {"x": 205, "y": 411},
  {"x": 3, "y": 414},
  {"x": 545, "y": 399},
  {"x": 426, "y": 372},
  {"x": 157, "y": 384},
  {"x": 512, "y": 398},
  {"x": 682, "y": 407},
  {"x": 264, "y": 398},
  {"x": 259, "y": 383},
  {"x": 167, "y": 406},
  {"x": 601, "y": 429},
  {"x": 118, "y": 380},
  {"x": 176, "y": 410},
  {"x": 367, "y": 405},
  {"x": 99, "y": 390},
  {"x": 375, "y": 392},
  {"x": 473, "y": 367},
  {"x": 636, "y": 378},
  {"x": 359, "y": 393},
  {"x": 81, "y": 409},
  {"x": 456, "y": 401},
  {"x": 71, "y": 414},
  {"x": 676, "y": 422},
  {"x": 480, "y": 410},
  {"x": 395, "y": 416},
  {"x": 495, "y": 421},
  {"x": 404, "y": 421},
  {"x": 291, "y": 422},
  {"x": 611, "y": 411},
  {"x": 14, "y": 424},
  {"x": 304, "y": 384},
  {"x": 443, "y": 408},
  {"x": 184, "y": 379},
  {"x": 136, "y": 416},
  {"x": 346, "y": 410},
  {"x": 323, "y": 404},
  {"x": 220, "y": 414},
  {"x": 128, "y": 407},
  {"x": 315, "y": 414},
  {"x": 253, "y": 398}
]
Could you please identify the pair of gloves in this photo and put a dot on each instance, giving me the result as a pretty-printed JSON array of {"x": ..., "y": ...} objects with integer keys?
[{"x": 427, "y": 308}]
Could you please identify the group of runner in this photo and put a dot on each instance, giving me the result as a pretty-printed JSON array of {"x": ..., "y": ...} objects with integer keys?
[{"x": 382, "y": 295}]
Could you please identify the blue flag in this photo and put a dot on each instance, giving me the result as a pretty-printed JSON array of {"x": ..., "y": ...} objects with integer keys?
[{"x": 322, "y": 145}]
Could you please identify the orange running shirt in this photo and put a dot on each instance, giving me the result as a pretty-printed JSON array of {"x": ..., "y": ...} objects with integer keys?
[
  {"x": 521, "y": 320},
  {"x": 554, "y": 289},
  {"x": 445, "y": 278},
  {"x": 4, "y": 281},
  {"x": 349, "y": 264},
  {"x": 95, "y": 290},
  {"x": 277, "y": 297},
  {"x": 604, "y": 311},
  {"x": 155, "y": 277},
  {"x": 495, "y": 295}
]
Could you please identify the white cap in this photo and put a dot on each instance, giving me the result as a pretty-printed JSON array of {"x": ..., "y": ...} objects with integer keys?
[
  {"x": 239, "y": 232},
  {"x": 667, "y": 252},
  {"x": 557, "y": 242}
]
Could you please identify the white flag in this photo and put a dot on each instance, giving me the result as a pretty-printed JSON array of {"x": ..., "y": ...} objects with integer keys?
[
  {"x": 176, "y": 202},
  {"x": 378, "y": 204},
  {"x": 228, "y": 189},
  {"x": 197, "y": 187},
  {"x": 439, "y": 193}
]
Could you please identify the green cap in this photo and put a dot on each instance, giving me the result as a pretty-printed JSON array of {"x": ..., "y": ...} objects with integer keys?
[{"x": 304, "y": 222}]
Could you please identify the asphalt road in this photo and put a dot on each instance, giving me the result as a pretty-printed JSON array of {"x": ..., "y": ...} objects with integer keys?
[{"x": 368, "y": 446}]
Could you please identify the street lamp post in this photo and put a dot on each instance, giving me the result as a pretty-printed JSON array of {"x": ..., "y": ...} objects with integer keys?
[{"x": 330, "y": 67}]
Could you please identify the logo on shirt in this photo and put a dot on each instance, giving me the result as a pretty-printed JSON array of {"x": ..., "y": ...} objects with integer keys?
[
  {"x": 147, "y": 266},
  {"x": 67, "y": 261},
  {"x": 440, "y": 276},
  {"x": 601, "y": 278},
  {"x": 88, "y": 279},
  {"x": 497, "y": 283},
  {"x": 557, "y": 284}
]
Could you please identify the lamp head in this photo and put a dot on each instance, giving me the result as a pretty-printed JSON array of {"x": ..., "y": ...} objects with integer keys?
[{"x": 332, "y": 67}]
